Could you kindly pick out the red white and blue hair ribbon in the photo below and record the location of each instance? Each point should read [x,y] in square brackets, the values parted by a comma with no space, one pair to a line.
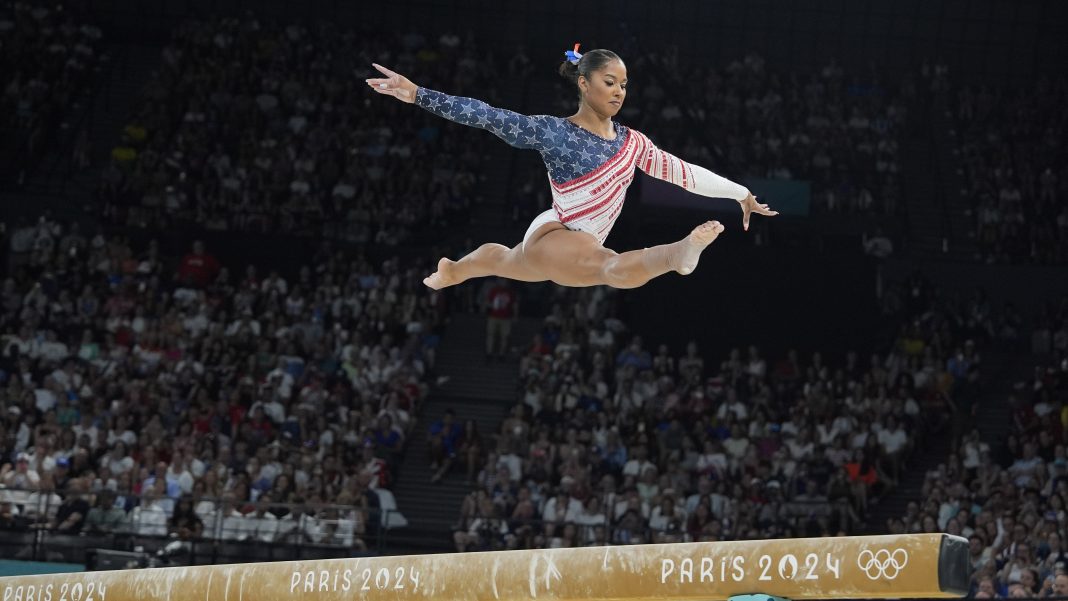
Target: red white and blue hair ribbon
[573,56]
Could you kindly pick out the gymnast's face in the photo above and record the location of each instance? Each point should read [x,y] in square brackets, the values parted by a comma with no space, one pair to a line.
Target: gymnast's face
[605,89]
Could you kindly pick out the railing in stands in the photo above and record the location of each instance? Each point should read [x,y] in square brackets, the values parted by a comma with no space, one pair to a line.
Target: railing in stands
[40,526]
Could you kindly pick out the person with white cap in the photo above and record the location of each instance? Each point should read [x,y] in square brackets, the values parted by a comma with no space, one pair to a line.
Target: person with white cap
[21,478]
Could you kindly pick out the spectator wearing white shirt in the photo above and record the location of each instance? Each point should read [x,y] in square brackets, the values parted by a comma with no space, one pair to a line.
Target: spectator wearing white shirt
[273,409]
[638,463]
[300,525]
[87,427]
[340,529]
[279,381]
[736,445]
[118,460]
[230,524]
[483,530]
[121,432]
[894,441]
[245,326]
[1025,470]
[756,365]
[52,349]
[262,524]
[561,509]
[42,457]
[42,503]
[47,395]
[199,323]
[179,473]
[589,518]
[21,477]
[151,517]
[733,406]
[801,446]
[713,460]
[972,450]
[601,338]
[667,521]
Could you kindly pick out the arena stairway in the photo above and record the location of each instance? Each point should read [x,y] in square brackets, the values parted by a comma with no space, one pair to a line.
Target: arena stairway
[474,389]
[462,359]
[993,419]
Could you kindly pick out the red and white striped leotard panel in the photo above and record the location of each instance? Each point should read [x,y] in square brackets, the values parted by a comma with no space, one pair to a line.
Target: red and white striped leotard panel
[591,203]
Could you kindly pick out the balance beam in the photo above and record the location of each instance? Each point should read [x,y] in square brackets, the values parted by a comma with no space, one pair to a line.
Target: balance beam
[904,566]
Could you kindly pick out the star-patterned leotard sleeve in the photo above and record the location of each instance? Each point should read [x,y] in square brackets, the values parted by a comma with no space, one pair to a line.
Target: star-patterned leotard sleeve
[568,150]
[538,132]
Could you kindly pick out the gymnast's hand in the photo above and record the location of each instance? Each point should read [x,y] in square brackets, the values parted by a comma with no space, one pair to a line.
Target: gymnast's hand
[393,84]
[750,206]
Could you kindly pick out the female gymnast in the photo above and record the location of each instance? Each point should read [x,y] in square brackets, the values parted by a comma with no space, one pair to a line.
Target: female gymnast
[591,161]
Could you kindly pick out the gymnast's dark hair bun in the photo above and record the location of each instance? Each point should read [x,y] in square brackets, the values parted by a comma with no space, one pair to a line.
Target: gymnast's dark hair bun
[590,62]
[569,71]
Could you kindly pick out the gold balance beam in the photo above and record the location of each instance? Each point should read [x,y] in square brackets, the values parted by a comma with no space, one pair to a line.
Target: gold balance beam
[916,565]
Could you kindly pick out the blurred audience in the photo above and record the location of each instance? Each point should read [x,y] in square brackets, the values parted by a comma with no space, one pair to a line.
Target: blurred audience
[254,127]
[202,403]
[49,60]
[1009,499]
[614,442]
[1010,143]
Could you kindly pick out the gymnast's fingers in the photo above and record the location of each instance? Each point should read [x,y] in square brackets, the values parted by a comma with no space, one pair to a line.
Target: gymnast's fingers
[384,70]
[385,91]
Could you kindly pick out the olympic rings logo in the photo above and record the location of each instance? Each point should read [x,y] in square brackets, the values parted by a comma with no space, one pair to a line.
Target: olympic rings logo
[882,563]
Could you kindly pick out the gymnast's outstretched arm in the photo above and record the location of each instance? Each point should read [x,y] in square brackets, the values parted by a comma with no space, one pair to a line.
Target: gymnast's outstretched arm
[666,166]
[521,131]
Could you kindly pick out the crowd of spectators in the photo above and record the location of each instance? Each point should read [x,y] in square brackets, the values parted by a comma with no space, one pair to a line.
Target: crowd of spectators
[156,394]
[612,442]
[838,130]
[1009,499]
[164,395]
[49,59]
[1010,142]
[255,127]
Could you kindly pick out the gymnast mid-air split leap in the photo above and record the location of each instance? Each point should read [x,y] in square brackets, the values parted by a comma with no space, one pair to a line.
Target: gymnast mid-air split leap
[591,161]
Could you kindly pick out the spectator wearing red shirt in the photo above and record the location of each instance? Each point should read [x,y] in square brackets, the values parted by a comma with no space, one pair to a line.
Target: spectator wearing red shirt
[864,476]
[198,268]
[502,306]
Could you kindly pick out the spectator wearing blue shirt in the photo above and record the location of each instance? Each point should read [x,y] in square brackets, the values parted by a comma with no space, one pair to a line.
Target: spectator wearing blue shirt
[634,355]
[443,436]
[387,438]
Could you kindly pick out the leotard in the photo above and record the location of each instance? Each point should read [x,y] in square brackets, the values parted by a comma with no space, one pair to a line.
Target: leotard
[589,175]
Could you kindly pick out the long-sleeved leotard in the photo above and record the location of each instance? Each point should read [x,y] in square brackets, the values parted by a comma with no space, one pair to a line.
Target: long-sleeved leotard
[589,175]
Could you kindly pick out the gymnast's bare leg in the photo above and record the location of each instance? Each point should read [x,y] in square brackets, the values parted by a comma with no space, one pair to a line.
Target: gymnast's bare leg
[572,258]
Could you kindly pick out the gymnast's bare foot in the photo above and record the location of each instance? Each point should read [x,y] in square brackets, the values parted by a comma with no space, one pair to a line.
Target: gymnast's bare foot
[444,277]
[692,245]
